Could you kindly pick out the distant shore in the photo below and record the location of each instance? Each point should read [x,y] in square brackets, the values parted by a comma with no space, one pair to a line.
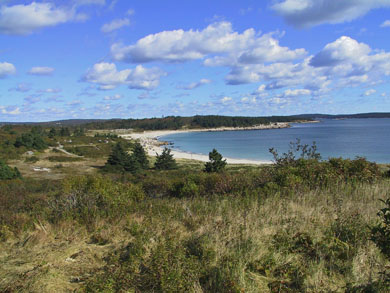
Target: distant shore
[149,140]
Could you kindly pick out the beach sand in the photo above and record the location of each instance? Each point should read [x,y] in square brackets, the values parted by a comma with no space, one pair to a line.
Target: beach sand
[149,140]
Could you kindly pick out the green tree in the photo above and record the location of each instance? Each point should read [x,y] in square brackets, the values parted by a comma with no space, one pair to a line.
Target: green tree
[6,172]
[64,131]
[120,161]
[31,140]
[165,161]
[139,155]
[216,163]
[52,132]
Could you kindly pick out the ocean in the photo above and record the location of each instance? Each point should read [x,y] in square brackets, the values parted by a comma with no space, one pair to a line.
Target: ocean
[348,138]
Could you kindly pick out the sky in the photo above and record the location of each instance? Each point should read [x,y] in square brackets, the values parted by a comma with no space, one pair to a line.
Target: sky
[101,59]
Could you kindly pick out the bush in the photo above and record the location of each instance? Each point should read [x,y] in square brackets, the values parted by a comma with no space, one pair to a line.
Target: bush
[380,233]
[216,163]
[165,161]
[32,159]
[6,172]
[64,159]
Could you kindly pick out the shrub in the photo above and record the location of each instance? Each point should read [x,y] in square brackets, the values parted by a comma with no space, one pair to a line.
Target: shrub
[64,159]
[32,159]
[380,233]
[6,172]
[216,163]
[165,161]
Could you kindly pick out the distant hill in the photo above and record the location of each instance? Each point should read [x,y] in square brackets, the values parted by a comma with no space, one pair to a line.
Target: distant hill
[343,116]
[193,122]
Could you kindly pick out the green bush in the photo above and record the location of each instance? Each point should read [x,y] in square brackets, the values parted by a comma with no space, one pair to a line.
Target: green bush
[216,163]
[6,172]
[165,161]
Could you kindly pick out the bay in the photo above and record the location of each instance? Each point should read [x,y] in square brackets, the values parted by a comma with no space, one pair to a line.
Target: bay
[369,138]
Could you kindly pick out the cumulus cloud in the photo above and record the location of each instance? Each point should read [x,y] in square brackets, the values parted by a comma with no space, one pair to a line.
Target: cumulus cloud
[343,49]
[369,92]
[194,85]
[25,19]
[6,69]
[226,100]
[10,110]
[347,58]
[115,25]
[307,13]
[41,71]
[386,23]
[108,77]
[218,38]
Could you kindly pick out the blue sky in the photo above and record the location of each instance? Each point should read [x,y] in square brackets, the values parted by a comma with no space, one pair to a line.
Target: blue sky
[152,58]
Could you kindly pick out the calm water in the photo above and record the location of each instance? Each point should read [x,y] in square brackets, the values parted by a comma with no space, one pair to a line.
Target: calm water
[335,138]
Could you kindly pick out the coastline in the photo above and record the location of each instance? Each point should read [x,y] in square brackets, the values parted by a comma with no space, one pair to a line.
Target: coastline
[149,140]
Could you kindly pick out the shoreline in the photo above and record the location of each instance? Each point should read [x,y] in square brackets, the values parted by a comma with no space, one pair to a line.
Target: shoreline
[150,141]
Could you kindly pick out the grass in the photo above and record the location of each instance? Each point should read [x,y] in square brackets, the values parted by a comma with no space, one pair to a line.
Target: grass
[312,240]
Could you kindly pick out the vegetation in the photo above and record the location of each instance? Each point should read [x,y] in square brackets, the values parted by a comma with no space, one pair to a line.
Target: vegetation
[121,161]
[216,163]
[300,225]
[6,172]
[176,122]
[165,161]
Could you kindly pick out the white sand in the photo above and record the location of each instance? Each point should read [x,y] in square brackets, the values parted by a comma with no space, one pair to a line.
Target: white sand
[149,140]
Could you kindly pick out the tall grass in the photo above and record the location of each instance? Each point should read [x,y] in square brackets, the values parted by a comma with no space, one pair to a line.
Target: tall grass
[267,230]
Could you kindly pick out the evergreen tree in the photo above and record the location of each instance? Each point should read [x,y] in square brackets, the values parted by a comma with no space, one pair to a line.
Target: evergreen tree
[120,161]
[6,172]
[165,161]
[139,155]
[64,131]
[52,132]
[216,163]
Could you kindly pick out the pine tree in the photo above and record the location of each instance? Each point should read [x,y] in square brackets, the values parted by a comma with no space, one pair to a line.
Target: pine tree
[139,155]
[165,161]
[120,161]
[216,163]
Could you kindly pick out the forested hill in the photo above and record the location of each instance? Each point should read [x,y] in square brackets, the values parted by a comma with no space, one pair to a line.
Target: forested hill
[344,116]
[177,122]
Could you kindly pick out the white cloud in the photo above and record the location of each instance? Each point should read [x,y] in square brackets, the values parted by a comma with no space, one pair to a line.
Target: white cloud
[6,69]
[307,13]
[50,91]
[115,25]
[296,92]
[341,50]
[113,98]
[10,110]
[386,23]
[41,71]
[217,38]
[108,77]
[369,92]
[25,19]
[226,100]
[194,85]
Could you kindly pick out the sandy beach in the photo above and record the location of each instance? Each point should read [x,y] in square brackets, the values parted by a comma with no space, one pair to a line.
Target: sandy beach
[149,140]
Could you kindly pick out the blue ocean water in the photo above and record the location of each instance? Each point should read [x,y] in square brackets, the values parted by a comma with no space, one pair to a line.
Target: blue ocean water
[369,138]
